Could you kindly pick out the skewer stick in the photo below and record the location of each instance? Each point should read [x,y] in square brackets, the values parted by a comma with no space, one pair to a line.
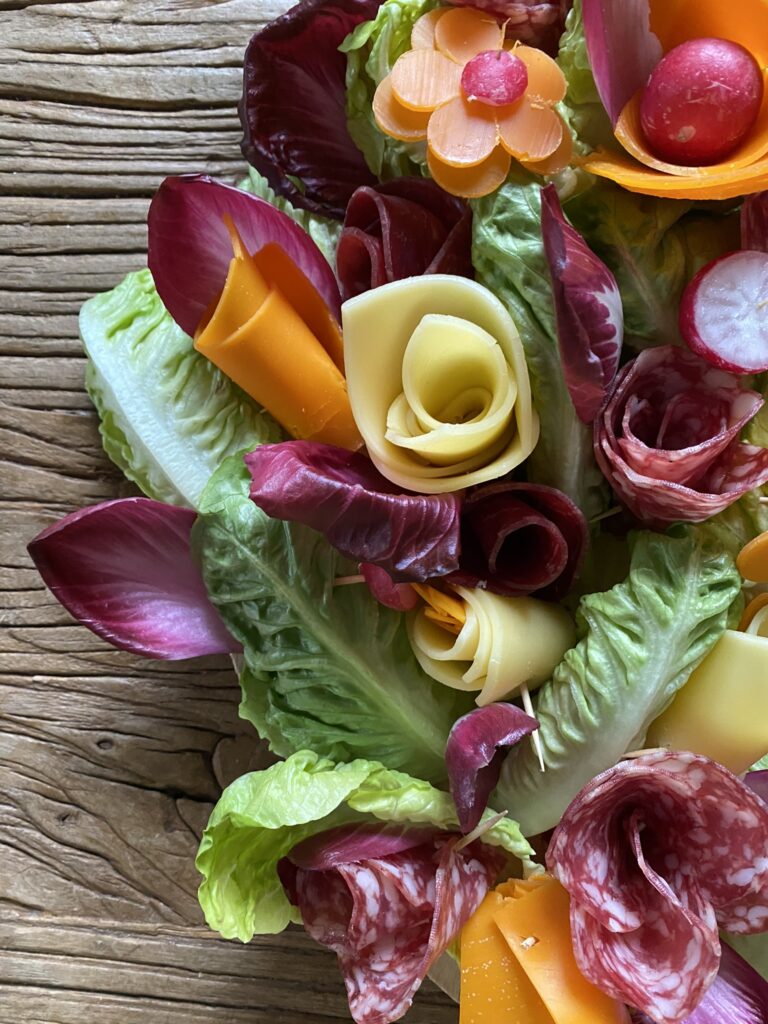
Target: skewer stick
[525,693]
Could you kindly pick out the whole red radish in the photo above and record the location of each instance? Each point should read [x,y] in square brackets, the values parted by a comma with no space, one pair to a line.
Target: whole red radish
[701,101]
[724,312]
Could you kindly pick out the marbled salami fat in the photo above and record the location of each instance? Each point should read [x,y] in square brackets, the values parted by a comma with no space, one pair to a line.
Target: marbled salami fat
[657,853]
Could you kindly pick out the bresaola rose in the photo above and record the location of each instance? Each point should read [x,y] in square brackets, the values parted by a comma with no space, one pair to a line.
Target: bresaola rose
[667,439]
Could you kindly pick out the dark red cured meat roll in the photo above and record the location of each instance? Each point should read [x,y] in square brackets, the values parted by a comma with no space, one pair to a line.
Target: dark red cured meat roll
[403,228]
[657,853]
[388,918]
[667,439]
[519,538]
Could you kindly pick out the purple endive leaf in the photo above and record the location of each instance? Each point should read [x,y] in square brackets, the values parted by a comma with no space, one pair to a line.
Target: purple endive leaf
[758,783]
[364,516]
[474,754]
[754,222]
[401,597]
[622,49]
[590,317]
[350,844]
[189,247]
[293,107]
[125,570]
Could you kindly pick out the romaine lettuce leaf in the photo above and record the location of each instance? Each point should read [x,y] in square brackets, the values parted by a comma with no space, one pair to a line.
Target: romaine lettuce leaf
[509,258]
[168,415]
[261,816]
[639,643]
[329,668]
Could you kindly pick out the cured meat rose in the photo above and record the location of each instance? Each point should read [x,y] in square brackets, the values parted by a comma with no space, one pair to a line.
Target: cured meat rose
[389,909]
[668,438]
[535,22]
[402,228]
[657,853]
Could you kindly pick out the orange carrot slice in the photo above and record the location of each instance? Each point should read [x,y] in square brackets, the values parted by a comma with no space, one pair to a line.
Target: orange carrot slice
[471,182]
[462,134]
[423,79]
[546,82]
[752,560]
[530,132]
[743,21]
[463,32]
[751,610]
[423,31]
[558,161]
[396,120]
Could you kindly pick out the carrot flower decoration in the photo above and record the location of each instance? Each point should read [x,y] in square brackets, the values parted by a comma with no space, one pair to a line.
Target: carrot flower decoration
[476,100]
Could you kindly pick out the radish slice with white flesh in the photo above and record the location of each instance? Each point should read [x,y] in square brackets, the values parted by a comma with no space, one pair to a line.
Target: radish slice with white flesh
[724,313]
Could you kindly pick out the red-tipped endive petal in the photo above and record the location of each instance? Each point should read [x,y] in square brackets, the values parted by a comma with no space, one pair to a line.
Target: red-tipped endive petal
[125,570]
[349,844]
[190,248]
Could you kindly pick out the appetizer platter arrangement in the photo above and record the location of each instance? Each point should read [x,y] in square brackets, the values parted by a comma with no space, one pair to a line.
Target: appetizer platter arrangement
[450,425]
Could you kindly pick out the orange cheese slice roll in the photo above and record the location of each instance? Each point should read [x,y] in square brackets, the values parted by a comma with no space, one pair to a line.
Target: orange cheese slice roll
[423,79]
[462,134]
[396,120]
[752,560]
[463,32]
[472,182]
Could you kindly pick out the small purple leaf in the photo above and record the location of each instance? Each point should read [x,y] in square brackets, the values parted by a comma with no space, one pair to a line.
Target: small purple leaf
[590,318]
[350,844]
[475,753]
[124,569]
[758,783]
[399,596]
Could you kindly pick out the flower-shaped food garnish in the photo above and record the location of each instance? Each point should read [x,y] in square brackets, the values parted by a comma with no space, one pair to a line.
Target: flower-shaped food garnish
[438,383]
[476,100]
[621,78]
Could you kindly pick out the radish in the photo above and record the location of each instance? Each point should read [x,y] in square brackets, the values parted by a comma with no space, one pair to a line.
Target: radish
[724,312]
[701,101]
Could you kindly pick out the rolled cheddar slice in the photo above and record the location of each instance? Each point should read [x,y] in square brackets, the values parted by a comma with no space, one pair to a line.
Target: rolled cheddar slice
[272,334]
[438,383]
[722,711]
[504,644]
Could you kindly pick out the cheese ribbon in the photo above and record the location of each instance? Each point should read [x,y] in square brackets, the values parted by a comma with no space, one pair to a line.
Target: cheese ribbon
[518,965]
[722,711]
[438,383]
[504,644]
[272,334]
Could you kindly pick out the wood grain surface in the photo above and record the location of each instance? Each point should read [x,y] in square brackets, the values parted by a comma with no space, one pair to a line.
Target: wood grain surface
[109,765]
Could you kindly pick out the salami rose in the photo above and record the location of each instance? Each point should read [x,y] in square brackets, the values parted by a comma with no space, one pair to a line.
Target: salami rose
[667,439]
[388,906]
[657,853]
[402,228]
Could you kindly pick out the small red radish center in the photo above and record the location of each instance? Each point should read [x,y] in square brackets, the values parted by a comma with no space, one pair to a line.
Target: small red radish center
[701,101]
[494,77]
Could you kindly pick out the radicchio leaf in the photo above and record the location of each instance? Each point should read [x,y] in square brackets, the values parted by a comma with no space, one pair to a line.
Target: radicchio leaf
[590,317]
[399,596]
[293,108]
[520,538]
[754,222]
[189,248]
[622,49]
[474,754]
[402,228]
[758,783]
[349,844]
[364,516]
[124,569]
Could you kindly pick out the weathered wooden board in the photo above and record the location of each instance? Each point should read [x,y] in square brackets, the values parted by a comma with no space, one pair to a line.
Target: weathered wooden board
[109,765]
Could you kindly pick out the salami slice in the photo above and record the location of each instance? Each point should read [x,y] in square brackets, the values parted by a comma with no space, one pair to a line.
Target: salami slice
[657,853]
[668,438]
[389,918]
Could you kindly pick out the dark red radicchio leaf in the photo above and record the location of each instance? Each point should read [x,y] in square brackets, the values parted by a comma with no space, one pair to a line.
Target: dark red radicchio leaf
[534,22]
[520,538]
[667,439]
[402,228]
[754,222]
[293,107]
[401,597]
[189,248]
[622,49]
[365,517]
[389,917]
[758,783]
[125,570]
[477,745]
[590,316]
[656,853]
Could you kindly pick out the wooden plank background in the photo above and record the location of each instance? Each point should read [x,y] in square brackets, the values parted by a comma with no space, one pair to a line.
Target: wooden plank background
[109,765]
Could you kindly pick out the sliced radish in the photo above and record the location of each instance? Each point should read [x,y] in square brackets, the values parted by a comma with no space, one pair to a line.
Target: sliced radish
[724,312]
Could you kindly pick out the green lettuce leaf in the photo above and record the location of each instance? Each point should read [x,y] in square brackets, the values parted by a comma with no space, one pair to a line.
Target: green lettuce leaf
[582,108]
[639,643]
[262,816]
[761,765]
[371,50]
[168,415]
[509,259]
[328,668]
[323,231]
[754,949]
